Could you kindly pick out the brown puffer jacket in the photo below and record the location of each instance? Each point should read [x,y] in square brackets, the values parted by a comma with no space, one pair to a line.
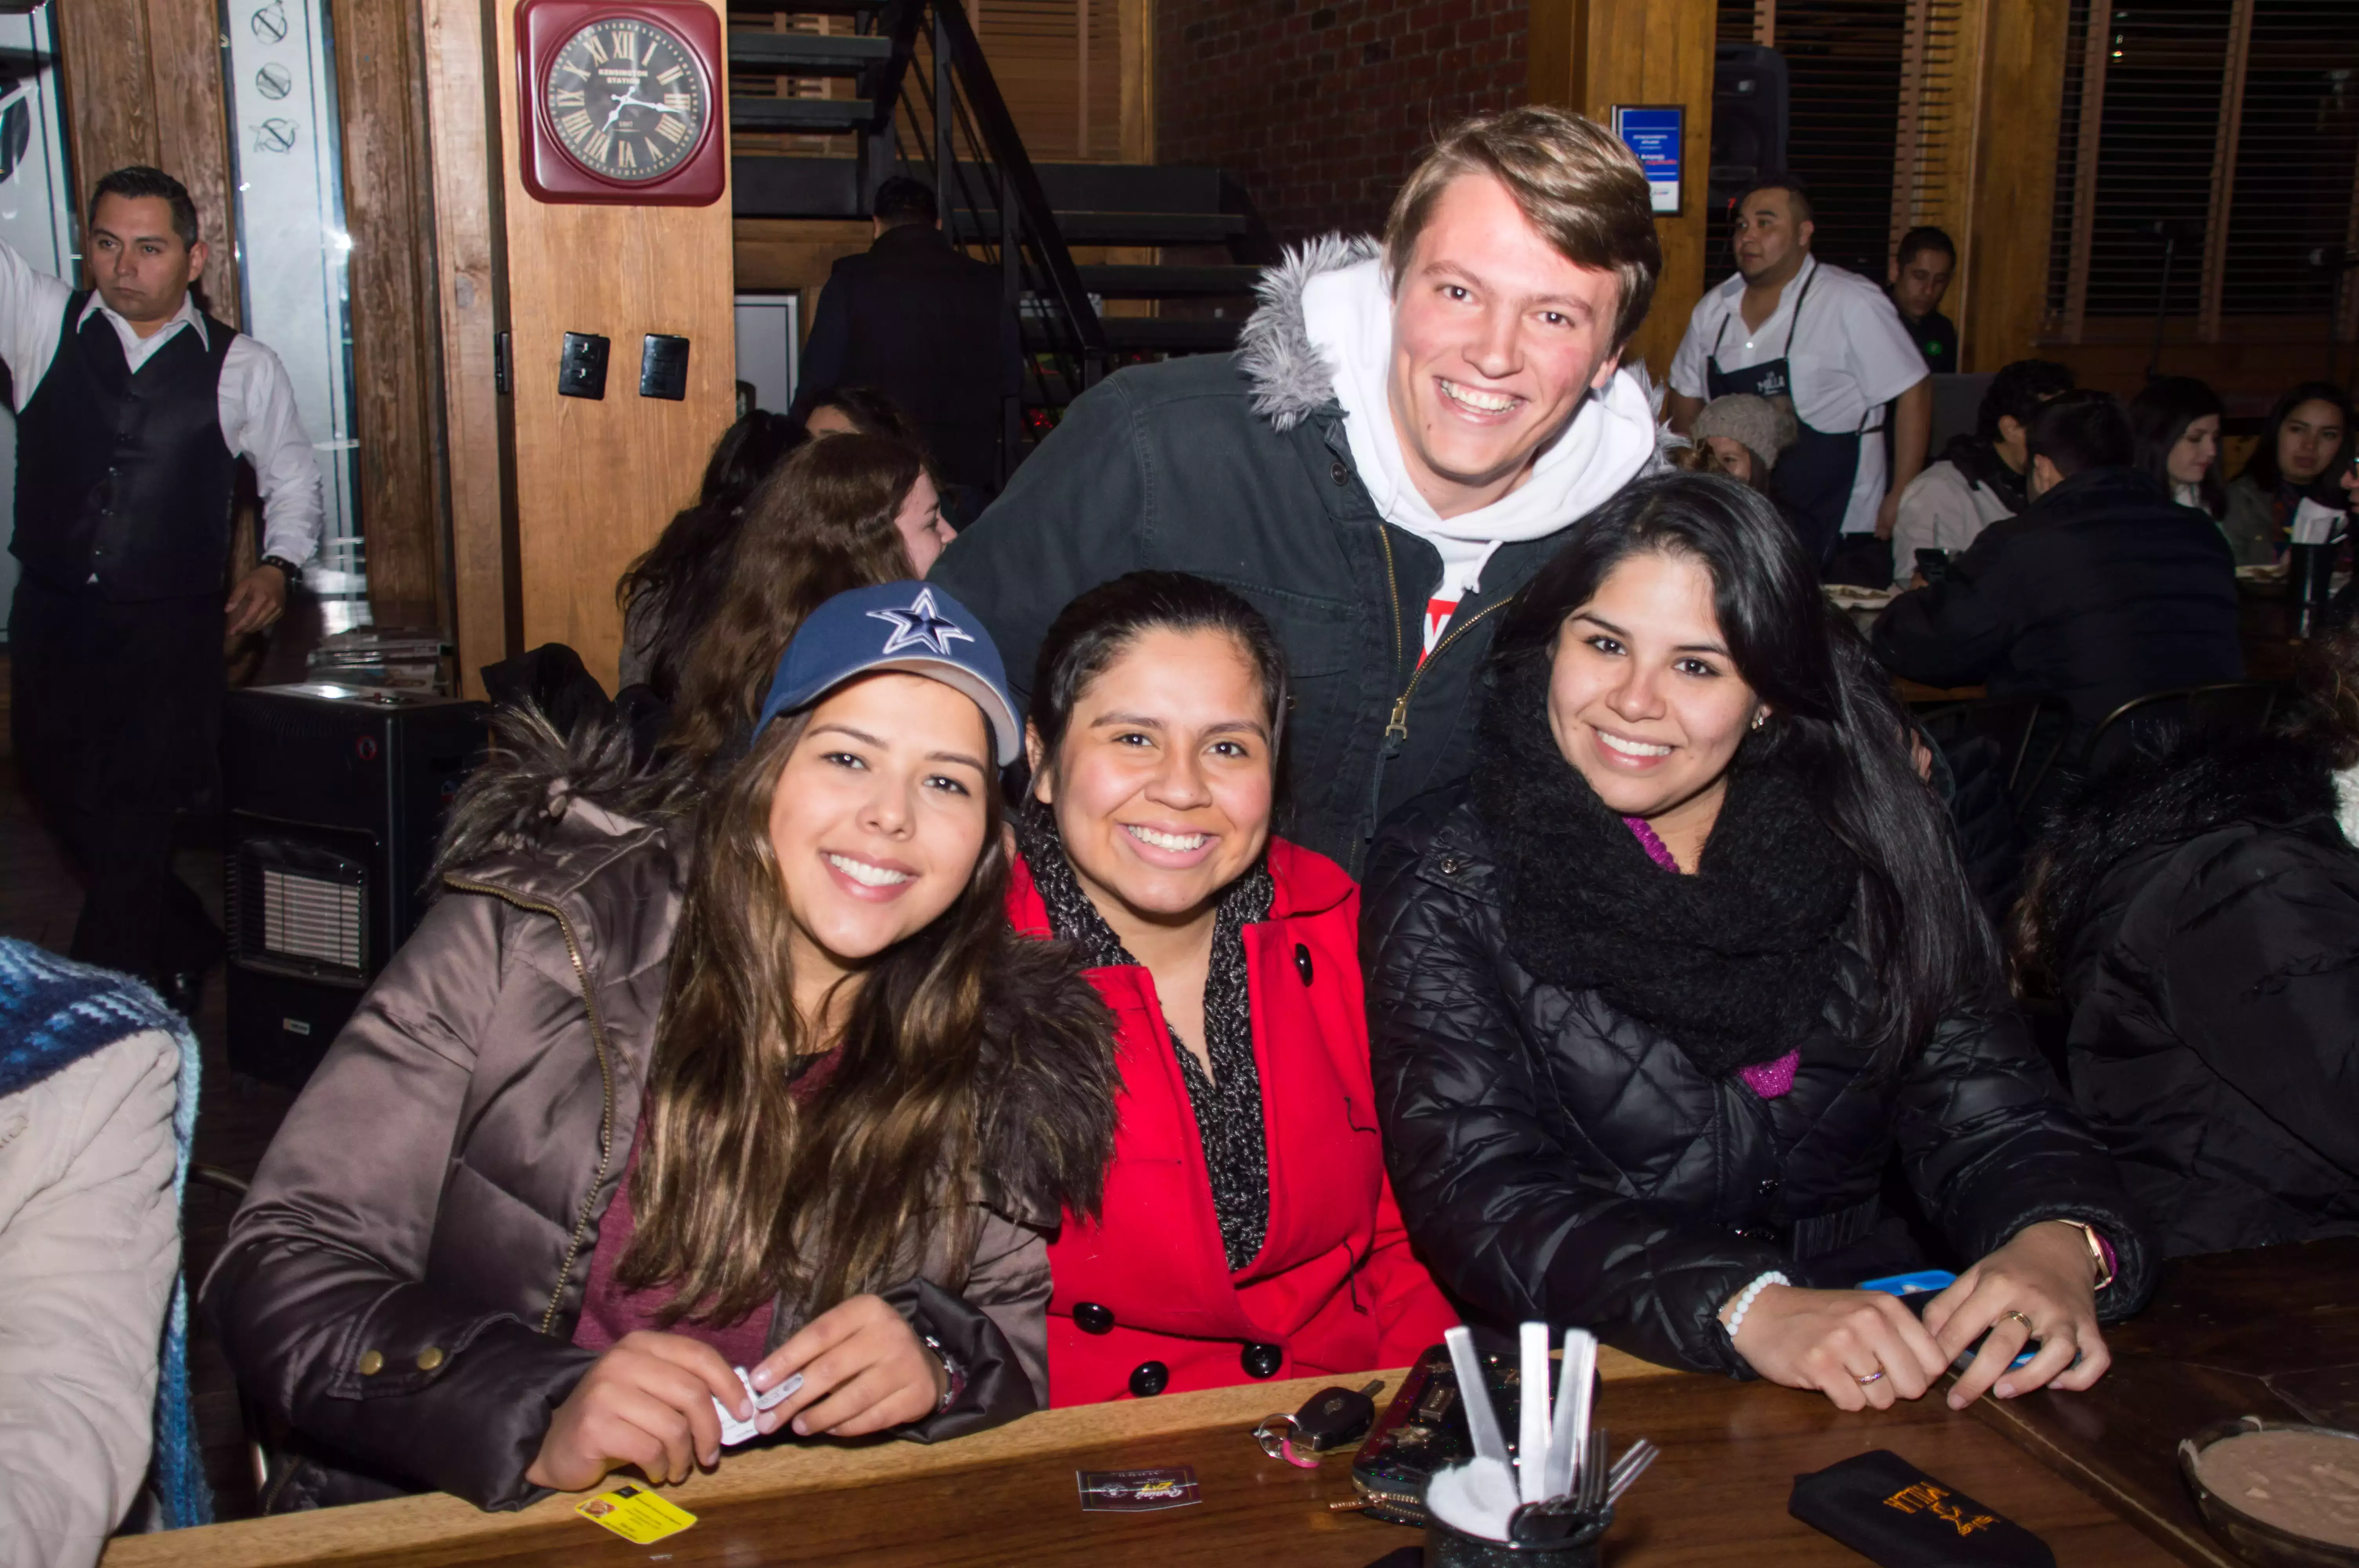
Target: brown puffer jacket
[401,1285]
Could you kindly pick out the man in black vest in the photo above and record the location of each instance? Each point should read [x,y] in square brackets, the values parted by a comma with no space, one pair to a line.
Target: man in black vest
[133,407]
[928,325]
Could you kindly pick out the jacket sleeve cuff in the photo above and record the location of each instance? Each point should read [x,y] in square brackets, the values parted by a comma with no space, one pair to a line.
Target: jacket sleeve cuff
[461,1404]
[997,1389]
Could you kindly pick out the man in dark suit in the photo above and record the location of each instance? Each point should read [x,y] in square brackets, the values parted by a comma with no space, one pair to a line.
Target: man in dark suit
[926,325]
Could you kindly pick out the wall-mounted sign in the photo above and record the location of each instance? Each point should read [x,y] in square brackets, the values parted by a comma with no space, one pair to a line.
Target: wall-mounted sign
[1652,131]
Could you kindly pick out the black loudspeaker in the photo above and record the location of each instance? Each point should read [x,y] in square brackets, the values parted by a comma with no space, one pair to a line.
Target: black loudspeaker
[335,795]
[1749,119]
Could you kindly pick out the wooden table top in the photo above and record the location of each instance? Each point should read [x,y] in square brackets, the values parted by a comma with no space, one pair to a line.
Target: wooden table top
[2272,1333]
[1717,1496]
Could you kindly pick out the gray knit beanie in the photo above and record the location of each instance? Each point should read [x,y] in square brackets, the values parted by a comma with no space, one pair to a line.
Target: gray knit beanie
[1764,425]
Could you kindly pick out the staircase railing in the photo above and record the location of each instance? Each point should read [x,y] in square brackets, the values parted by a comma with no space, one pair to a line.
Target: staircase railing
[978,152]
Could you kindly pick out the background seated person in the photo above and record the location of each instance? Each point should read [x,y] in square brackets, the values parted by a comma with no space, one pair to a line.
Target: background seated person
[2198,914]
[1647,1034]
[1742,436]
[667,595]
[1978,479]
[860,411]
[838,515]
[619,1118]
[1249,1232]
[2305,443]
[2175,437]
[90,1258]
[2103,591]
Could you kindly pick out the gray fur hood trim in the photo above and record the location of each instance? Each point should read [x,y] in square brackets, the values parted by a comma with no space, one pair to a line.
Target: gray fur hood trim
[1290,379]
[535,779]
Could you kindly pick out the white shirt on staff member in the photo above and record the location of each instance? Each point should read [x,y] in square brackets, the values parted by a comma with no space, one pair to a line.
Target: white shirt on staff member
[1849,357]
[255,400]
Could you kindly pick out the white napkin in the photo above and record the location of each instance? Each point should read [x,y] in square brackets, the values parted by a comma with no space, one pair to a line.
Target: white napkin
[1475,1498]
[2315,524]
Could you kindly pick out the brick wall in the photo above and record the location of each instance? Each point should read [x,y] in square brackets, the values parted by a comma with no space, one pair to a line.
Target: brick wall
[1320,106]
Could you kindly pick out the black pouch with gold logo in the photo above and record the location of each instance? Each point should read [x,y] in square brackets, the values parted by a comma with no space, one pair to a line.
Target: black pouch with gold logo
[1886,1510]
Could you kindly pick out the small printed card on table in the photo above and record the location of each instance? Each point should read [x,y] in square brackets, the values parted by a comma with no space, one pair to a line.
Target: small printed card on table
[635,1514]
[1138,1491]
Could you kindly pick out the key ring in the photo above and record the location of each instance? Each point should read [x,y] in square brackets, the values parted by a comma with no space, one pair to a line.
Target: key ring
[1280,1447]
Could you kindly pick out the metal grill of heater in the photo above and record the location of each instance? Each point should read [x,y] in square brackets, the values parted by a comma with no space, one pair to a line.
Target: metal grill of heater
[300,909]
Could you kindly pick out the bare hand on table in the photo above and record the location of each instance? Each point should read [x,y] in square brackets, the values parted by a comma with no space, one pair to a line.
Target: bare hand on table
[1828,1340]
[649,1402]
[864,1371]
[2046,1274]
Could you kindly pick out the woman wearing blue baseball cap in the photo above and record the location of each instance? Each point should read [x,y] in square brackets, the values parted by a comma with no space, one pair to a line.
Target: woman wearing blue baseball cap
[665,1090]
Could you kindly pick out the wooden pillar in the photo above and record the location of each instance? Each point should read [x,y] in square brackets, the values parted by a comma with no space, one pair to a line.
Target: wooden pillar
[2010,106]
[1589,55]
[143,85]
[388,212]
[462,117]
[595,480]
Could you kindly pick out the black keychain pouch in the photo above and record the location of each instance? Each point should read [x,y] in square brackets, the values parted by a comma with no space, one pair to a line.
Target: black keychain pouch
[1886,1510]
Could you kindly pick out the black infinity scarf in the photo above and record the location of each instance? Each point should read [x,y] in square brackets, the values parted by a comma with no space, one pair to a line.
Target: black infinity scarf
[1227,1100]
[1735,963]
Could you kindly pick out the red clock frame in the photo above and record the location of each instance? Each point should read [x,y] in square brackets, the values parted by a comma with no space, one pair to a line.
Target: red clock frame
[542,28]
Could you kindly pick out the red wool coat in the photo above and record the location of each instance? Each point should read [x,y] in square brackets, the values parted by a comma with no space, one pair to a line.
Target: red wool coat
[1143,1300]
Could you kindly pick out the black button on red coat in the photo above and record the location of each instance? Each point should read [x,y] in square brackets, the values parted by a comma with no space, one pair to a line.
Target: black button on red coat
[1092,1318]
[1149,1379]
[1262,1360]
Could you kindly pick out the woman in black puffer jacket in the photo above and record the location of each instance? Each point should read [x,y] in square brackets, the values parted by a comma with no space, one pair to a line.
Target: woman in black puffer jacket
[2199,914]
[1657,997]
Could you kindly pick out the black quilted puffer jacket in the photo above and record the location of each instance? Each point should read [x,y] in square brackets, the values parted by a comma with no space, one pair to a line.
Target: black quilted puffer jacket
[1557,1159]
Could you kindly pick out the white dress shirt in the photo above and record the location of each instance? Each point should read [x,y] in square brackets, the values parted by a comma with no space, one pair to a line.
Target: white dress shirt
[256,401]
[1849,357]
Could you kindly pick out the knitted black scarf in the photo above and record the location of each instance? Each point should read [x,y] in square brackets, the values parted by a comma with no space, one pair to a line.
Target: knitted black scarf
[1733,963]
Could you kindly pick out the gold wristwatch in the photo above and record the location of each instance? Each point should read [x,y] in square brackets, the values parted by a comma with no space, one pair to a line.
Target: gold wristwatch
[2097,1259]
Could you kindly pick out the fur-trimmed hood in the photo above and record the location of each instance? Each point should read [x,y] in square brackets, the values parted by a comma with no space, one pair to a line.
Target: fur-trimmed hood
[2154,801]
[1291,380]
[534,778]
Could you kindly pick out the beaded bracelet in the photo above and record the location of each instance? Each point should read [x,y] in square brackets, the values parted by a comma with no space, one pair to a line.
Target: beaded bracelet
[1745,1300]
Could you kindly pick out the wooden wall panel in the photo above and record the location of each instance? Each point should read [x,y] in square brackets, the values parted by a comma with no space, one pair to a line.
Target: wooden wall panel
[596,480]
[1593,54]
[143,85]
[462,117]
[2000,294]
[388,211]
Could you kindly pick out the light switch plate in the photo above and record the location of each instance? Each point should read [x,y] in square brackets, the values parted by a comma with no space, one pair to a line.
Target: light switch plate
[663,367]
[581,367]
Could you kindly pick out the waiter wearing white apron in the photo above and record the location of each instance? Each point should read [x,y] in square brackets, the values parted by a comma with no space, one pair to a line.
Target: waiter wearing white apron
[1788,326]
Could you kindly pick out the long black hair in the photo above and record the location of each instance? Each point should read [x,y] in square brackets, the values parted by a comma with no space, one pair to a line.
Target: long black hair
[1833,720]
[2160,416]
[678,580]
[1091,631]
[2262,466]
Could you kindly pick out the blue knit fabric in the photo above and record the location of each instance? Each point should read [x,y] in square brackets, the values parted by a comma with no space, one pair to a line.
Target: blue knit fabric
[54,1013]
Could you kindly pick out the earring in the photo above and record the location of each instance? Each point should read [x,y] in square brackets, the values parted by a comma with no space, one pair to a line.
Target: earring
[1759,720]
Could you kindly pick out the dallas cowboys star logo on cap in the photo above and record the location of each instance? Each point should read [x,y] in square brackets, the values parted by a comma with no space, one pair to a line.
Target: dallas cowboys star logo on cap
[921,626]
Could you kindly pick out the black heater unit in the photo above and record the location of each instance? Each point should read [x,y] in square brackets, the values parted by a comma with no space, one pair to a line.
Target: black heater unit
[335,794]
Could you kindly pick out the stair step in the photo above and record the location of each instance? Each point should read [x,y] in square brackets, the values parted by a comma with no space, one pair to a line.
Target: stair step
[1115,228]
[1167,282]
[809,54]
[1152,333]
[808,114]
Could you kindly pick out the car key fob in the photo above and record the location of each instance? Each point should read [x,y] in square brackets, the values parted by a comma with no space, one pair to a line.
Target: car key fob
[1335,1417]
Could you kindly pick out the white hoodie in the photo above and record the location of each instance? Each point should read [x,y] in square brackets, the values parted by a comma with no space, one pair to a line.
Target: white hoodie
[1348,315]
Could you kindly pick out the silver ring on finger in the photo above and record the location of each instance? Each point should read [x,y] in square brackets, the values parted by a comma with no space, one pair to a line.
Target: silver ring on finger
[1875,1377]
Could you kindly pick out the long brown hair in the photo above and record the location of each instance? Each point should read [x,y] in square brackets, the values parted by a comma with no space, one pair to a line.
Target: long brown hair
[820,526]
[742,1193]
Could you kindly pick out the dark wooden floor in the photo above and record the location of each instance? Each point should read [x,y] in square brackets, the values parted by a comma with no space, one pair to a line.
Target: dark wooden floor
[38,902]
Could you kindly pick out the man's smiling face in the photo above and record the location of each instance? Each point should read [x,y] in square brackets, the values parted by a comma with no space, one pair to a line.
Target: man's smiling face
[1496,338]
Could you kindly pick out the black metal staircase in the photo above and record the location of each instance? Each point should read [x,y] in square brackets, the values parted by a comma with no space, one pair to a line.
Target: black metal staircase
[925,102]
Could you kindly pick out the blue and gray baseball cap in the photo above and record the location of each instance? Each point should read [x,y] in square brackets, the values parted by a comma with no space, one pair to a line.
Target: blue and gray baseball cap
[908,626]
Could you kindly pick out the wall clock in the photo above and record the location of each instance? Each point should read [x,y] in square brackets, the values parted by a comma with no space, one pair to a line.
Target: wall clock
[623,102]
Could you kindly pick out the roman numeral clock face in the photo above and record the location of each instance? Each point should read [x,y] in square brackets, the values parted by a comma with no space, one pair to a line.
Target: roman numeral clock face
[626,98]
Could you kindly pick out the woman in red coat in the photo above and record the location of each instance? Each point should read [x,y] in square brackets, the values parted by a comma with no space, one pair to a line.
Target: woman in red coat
[1248,1231]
